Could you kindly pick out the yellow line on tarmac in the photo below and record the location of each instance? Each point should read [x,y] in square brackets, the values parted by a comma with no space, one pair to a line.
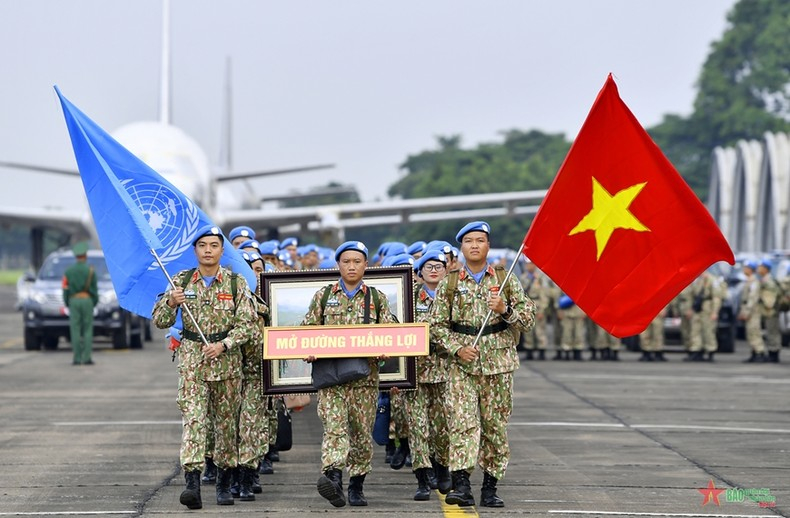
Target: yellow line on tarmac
[455,511]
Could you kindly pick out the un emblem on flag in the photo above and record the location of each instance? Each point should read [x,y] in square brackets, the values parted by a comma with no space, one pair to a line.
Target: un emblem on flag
[172,217]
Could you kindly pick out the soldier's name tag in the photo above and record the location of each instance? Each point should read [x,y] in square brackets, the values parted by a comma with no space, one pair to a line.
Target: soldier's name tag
[463,290]
[333,302]
[190,294]
[422,308]
[224,296]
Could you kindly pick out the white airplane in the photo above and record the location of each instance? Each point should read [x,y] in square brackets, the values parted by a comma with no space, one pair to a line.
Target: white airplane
[181,160]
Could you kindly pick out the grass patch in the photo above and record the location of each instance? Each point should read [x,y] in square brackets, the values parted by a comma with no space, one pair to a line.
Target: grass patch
[9,277]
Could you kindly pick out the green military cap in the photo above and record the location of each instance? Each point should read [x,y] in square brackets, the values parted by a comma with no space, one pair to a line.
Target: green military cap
[80,248]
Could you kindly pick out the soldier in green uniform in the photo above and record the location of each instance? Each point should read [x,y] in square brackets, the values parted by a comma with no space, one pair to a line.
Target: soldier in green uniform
[480,384]
[348,410]
[702,308]
[80,295]
[428,433]
[538,292]
[749,312]
[209,374]
[769,297]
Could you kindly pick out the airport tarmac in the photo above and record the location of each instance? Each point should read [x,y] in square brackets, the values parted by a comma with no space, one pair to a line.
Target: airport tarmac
[588,439]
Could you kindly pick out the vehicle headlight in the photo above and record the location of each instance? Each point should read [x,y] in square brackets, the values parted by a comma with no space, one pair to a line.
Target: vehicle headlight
[108,297]
[38,297]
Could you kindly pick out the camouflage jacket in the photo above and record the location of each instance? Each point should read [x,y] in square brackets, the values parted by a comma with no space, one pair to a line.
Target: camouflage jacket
[340,310]
[252,351]
[769,295]
[431,368]
[750,296]
[708,288]
[216,311]
[538,291]
[469,307]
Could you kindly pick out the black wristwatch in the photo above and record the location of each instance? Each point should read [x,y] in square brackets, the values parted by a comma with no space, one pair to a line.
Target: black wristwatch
[508,312]
[224,347]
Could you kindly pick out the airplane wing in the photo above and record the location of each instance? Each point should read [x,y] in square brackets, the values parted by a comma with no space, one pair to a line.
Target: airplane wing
[389,212]
[272,172]
[70,221]
[40,168]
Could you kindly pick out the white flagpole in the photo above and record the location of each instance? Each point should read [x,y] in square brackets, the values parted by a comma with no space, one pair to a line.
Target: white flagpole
[501,290]
[183,306]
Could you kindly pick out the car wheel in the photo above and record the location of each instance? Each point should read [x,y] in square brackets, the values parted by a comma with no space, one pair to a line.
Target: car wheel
[122,337]
[51,342]
[32,341]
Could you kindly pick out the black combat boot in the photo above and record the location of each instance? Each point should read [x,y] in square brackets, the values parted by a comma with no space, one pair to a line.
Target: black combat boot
[274,453]
[659,356]
[488,496]
[593,355]
[755,358]
[613,356]
[528,354]
[330,486]
[444,482]
[223,486]
[695,356]
[577,355]
[567,356]
[265,467]
[389,451]
[210,473]
[190,496]
[710,357]
[355,495]
[256,482]
[557,355]
[541,355]
[245,484]
[646,357]
[423,491]
[462,491]
[433,482]
[234,482]
[773,357]
[606,354]
[399,457]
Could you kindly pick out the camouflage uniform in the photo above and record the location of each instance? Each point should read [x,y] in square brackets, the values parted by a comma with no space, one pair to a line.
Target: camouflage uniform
[480,392]
[348,411]
[539,293]
[210,387]
[428,433]
[769,295]
[399,415]
[703,322]
[252,413]
[573,323]
[652,339]
[751,314]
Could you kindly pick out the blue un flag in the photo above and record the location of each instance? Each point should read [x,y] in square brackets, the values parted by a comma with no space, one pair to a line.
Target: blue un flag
[136,211]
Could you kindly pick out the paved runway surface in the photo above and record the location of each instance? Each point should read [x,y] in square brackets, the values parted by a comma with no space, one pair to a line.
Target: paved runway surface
[589,439]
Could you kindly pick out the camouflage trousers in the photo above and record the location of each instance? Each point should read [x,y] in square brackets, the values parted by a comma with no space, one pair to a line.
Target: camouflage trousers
[573,331]
[399,415]
[535,338]
[478,417]
[347,413]
[273,405]
[428,434]
[703,332]
[253,422]
[652,338]
[754,332]
[773,335]
[207,405]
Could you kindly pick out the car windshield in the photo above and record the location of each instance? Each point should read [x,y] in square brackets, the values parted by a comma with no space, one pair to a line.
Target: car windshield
[55,266]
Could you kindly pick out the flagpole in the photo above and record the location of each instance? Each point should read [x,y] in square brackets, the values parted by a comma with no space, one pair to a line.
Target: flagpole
[183,306]
[501,289]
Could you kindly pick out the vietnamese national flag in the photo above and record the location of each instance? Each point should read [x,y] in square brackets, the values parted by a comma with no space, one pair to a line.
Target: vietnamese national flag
[619,231]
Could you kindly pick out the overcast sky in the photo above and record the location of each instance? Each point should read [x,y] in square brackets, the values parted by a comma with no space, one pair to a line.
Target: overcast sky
[359,83]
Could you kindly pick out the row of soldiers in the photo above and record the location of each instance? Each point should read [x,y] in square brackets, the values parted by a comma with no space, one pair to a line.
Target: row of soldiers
[475,319]
[697,307]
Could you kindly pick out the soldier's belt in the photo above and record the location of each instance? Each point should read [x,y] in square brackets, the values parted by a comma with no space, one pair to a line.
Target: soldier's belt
[473,330]
[195,337]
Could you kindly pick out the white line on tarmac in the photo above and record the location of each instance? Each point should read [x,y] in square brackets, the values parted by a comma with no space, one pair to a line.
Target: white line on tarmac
[683,515]
[653,426]
[67,513]
[115,423]
[695,379]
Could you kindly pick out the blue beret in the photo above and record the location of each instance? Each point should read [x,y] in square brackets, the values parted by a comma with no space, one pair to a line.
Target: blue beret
[475,226]
[416,248]
[382,249]
[250,243]
[398,260]
[207,230]
[325,253]
[327,264]
[267,267]
[429,255]
[395,248]
[289,241]
[251,257]
[444,246]
[751,264]
[311,248]
[766,264]
[565,302]
[268,248]
[357,246]
[455,251]
[285,256]
[241,231]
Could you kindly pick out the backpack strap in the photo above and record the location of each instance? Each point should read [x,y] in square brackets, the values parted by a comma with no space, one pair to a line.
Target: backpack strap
[324,298]
[376,303]
[187,277]
[500,275]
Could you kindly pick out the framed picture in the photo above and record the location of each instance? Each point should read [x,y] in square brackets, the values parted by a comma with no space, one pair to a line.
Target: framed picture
[288,295]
